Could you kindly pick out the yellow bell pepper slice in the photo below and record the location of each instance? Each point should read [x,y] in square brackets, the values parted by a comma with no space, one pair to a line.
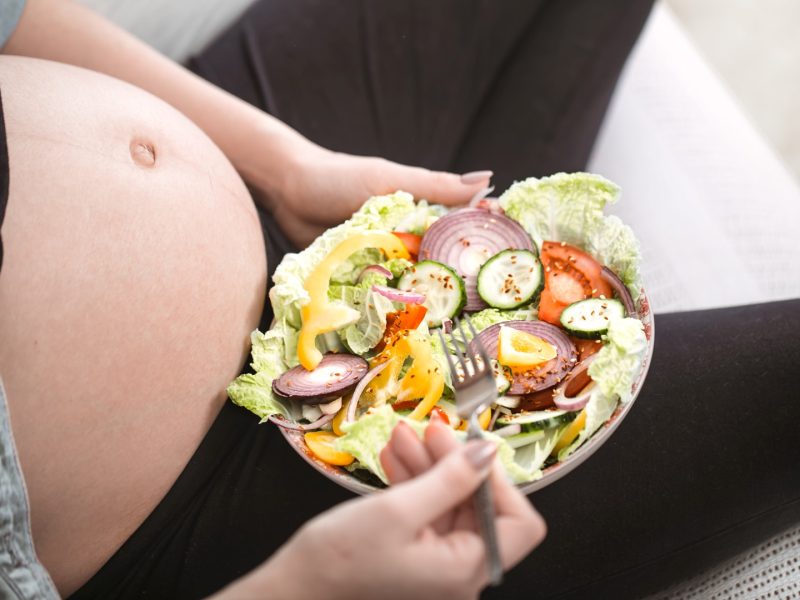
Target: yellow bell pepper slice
[319,314]
[336,424]
[520,349]
[571,433]
[423,379]
[321,443]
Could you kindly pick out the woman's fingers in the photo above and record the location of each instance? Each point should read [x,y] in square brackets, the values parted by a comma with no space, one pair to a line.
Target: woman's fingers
[423,500]
[437,186]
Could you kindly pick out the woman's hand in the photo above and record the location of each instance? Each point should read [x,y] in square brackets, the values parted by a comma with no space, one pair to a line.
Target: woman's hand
[406,457]
[392,544]
[315,188]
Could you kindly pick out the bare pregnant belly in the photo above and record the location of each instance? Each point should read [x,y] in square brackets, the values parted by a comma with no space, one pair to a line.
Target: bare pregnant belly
[134,271]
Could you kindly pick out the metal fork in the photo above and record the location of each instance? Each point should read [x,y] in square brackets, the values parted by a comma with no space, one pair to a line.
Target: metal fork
[476,390]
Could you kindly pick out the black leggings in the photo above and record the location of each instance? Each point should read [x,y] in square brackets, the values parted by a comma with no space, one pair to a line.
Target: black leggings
[706,463]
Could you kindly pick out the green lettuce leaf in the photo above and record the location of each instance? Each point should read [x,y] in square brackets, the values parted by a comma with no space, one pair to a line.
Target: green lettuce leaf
[254,392]
[614,370]
[568,207]
[418,221]
[525,464]
[619,360]
[365,333]
[288,295]
[365,439]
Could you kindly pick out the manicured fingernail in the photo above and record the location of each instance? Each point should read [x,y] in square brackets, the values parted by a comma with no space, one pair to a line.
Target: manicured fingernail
[476,177]
[480,454]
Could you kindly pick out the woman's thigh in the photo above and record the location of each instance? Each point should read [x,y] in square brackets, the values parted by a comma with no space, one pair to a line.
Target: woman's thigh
[516,86]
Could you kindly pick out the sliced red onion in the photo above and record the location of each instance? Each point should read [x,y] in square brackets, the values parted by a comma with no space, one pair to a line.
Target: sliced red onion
[576,389]
[508,430]
[376,269]
[508,401]
[622,290]
[396,295]
[480,195]
[331,408]
[447,325]
[575,402]
[362,385]
[286,424]
[465,239]
[334,376]
[544,376]
[495,414]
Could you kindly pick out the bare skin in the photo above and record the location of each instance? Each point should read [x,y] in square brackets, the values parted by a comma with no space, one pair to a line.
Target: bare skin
[134,271]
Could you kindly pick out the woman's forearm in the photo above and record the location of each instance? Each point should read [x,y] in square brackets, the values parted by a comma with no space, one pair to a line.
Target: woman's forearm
[63,31]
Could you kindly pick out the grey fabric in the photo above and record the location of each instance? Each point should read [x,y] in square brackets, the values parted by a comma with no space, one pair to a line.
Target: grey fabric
[10,12]
[21,574]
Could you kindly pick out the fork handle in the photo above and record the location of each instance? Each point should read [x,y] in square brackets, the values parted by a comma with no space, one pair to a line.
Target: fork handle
[484,510]
[483,503]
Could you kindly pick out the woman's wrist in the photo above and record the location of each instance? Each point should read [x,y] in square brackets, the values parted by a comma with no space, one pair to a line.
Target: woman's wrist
[271,155]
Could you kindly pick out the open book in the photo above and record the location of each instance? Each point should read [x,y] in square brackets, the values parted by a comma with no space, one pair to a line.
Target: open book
[716,212]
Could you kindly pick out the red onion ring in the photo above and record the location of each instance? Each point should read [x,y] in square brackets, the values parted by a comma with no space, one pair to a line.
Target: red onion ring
[548,374]
[494,418]
[378,270]
[622,290]
[399,295]
[464,239]
[480,195]
[286,424]
[334,376]
[576,390]
[362,385]
[447,325]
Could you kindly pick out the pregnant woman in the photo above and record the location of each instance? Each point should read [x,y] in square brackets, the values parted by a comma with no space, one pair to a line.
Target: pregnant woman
[135,268]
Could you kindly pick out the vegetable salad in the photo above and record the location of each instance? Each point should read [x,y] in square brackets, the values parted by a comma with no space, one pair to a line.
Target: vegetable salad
[550,284]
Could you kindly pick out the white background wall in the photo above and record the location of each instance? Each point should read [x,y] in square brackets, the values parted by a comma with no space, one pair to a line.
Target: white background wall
[755,48]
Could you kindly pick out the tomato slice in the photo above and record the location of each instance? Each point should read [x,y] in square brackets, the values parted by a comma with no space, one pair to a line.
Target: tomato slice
[570,275]
[585,347]
[405,405]
[411,241]
[402,320]
[441,414]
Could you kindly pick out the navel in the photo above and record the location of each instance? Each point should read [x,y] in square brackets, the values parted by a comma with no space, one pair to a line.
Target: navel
[143,153]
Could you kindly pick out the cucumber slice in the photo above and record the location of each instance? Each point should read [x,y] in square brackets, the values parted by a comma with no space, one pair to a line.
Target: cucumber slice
[525,438]
[537,420]
[590,318]
[500,377]
[444,290]
[510,279]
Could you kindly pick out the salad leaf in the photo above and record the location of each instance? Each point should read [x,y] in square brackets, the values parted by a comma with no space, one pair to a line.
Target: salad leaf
[366,437]
[288,293]
[348,271]
[490,316]
[418,220]
[614,370]
[619,360]
[568,207]
[365,333]
[254,392]
[526,463]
